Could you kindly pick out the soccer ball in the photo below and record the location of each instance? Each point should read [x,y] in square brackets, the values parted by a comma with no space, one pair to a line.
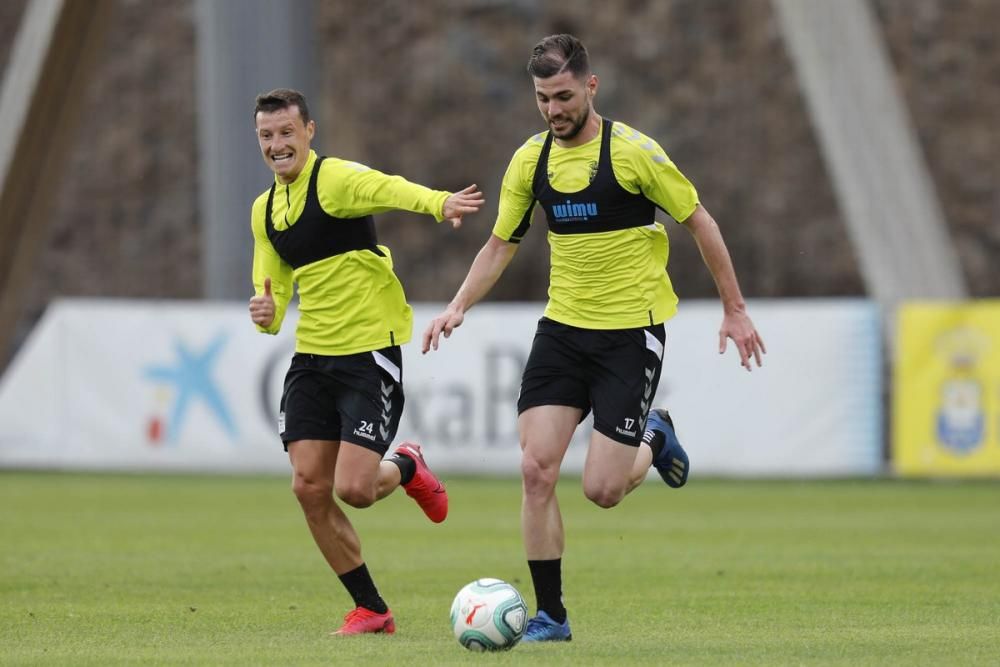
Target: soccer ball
[488,615]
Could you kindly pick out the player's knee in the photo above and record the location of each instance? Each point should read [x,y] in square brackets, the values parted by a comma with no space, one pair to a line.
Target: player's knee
[538,477]
[356,495]
[604,496]
[313,496]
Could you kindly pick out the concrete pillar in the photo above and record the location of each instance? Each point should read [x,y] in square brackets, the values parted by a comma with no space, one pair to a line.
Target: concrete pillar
[245,47]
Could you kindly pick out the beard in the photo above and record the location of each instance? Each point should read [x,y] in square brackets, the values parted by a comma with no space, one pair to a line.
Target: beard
[574,127]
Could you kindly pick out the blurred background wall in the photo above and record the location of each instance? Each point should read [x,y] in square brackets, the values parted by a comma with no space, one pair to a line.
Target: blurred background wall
[436,91]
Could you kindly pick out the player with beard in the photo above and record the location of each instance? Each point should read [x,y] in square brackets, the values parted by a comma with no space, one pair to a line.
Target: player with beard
[599,345]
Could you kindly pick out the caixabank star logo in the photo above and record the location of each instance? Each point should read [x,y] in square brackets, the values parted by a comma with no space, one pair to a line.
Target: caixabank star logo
[184,382]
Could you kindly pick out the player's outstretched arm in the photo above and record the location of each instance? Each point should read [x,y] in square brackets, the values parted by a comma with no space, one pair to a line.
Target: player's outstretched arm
[736,324]
[486,269]
[463,202]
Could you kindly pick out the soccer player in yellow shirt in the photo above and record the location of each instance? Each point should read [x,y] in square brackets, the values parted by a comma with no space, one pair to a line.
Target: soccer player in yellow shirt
[343,393]
[599,345]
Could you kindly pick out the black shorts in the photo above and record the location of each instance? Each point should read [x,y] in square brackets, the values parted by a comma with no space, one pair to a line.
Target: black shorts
[355,397]
[614,372]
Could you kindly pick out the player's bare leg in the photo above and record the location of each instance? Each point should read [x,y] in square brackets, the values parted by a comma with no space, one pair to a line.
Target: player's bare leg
[318,467]
[314,463]
[362,477]
[609,470]
[545,435]
[640,466]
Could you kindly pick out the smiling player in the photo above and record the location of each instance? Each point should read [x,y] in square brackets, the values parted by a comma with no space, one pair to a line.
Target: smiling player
[343,394]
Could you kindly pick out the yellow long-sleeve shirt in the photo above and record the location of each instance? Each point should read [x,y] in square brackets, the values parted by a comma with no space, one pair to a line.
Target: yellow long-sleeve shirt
[348,302]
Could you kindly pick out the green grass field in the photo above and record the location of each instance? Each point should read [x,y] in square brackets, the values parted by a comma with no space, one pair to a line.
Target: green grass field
[106,569]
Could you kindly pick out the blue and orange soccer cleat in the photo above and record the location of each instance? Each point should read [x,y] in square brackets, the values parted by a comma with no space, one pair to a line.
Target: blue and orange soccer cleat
[425,487]
[542,628]
[672,463]
[361,621]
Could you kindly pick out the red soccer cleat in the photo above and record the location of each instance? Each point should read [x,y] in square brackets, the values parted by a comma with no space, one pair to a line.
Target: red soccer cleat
[360,621]
[425,487]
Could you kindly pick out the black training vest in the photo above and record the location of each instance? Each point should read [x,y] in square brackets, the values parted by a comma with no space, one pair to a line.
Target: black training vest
[602,206]
[316,234]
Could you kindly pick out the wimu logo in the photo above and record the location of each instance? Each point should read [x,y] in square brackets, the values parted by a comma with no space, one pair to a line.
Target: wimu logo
[571,212]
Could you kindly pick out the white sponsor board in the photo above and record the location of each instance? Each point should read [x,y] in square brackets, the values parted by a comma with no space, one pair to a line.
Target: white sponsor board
[162,385]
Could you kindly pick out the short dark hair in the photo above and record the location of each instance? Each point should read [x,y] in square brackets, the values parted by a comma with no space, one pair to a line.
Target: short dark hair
[282,98]
[557,53]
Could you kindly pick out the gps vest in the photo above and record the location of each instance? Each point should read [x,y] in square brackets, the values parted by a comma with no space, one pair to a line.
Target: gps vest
[316,234]
[602,206]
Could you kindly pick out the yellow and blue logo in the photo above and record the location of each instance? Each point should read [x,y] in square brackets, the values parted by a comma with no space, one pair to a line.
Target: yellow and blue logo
[574,211]
[946,400]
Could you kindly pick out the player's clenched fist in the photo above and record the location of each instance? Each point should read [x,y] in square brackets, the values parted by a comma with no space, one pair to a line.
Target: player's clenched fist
[262,306]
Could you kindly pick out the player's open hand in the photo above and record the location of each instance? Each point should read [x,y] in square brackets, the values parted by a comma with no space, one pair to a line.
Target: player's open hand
[449,320]
[262,306]
[739,327]
[460,203]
